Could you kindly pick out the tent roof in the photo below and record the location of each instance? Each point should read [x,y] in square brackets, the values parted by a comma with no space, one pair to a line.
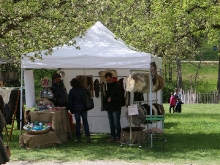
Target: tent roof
[99,48]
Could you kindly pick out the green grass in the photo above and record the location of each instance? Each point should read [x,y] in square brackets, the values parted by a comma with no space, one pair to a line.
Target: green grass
[207,77]
[192,138]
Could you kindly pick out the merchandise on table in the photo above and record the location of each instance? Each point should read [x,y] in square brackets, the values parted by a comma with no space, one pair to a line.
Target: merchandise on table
[37,127]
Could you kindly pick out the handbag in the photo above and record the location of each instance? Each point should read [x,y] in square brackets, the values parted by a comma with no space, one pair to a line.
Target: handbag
[89,104]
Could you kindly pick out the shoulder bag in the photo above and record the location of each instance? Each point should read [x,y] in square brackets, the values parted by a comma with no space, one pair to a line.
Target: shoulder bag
[88,101]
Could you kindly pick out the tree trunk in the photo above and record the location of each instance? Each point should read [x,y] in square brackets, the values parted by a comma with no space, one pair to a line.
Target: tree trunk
[218,84]
[179,83]
[170,73]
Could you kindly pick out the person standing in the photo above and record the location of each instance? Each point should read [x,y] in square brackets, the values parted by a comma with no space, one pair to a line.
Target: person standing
[172,102]
[60,97]
[3,153]
[179,102]
[112,104]
[78,108]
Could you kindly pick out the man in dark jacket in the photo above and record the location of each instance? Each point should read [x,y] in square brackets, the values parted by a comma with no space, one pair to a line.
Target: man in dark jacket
[59,91]
[112,104]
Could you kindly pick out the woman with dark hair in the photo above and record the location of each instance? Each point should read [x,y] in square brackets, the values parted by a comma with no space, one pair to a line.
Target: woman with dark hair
[60,97]
[78,108]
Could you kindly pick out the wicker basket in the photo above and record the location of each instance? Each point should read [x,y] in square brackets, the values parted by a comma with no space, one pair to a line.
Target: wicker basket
[35,131]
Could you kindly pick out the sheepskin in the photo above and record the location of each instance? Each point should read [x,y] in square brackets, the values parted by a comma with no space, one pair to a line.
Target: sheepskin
[160,109]
[146,88]
[137,119]
[130,83]
[159,83]
[102,74]
[139,82]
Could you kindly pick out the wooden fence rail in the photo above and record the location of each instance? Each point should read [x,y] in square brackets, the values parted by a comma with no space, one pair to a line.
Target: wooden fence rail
[192,97]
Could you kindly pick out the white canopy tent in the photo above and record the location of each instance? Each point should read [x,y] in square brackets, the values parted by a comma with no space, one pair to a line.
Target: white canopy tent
[99,49]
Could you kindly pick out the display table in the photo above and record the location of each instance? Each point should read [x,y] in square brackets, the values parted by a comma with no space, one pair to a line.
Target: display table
[59,132]
[39,141]
[58,119]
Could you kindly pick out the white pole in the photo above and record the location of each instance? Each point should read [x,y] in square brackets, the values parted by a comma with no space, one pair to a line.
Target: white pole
[150,94]
[151,136]
[21,99]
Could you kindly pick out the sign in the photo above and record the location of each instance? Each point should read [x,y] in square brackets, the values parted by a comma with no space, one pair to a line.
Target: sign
[133,110]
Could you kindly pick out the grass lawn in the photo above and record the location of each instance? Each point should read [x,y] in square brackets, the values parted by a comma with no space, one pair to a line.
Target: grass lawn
[192,138]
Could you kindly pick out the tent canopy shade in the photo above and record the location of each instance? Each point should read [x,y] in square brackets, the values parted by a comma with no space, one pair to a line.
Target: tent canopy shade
[98,48]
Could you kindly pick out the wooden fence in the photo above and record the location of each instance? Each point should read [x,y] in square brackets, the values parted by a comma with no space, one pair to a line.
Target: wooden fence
[192,97]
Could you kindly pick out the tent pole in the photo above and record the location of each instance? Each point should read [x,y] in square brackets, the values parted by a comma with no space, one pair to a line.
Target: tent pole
[151,136]
[21,99]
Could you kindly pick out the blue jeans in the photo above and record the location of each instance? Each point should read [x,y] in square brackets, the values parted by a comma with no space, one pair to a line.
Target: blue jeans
[114,122]
[82,114]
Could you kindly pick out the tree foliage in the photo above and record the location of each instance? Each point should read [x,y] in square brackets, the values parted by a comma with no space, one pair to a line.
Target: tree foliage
[161,27]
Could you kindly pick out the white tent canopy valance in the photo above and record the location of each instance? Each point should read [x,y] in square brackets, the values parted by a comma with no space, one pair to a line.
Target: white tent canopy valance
[99,48]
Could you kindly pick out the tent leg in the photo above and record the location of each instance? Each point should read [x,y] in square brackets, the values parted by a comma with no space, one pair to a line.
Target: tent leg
[21,100]
[151,137]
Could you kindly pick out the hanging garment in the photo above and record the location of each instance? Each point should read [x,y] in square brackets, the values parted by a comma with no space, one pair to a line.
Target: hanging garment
[122,92]
[11,106]
[6,94]
[138,96]
[1,104]
[102,74]
[102,89]
[127,98]
[96,87]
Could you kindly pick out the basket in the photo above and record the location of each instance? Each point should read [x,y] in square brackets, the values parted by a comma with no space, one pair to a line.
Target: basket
[36,131]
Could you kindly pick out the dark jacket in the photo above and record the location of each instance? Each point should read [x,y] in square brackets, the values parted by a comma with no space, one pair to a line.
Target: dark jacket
[60,94]
[113,91]
[3,154]
[76,100]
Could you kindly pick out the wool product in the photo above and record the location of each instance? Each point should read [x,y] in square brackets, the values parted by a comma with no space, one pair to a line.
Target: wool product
[146,88]
[130,83]
[160,109]
[159,83]
[139,82]
[137,119]
[96,88]
[154,130]
[102,74]
[154,110]
[5,94]
[122,91]
[127,99]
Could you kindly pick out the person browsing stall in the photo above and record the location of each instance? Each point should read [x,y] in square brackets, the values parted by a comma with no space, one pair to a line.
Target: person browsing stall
[112,104]
[59,91]
[78,108]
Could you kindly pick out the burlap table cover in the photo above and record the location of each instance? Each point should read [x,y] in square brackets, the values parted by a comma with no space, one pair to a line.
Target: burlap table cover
[58,119]
[39,140]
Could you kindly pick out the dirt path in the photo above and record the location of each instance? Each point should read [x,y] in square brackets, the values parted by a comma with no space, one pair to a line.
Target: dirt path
[100,162]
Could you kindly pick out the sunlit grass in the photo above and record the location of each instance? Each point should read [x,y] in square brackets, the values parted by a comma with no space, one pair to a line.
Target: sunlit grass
[192,138]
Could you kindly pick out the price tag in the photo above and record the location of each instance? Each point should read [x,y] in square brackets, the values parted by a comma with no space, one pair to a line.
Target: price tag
[133,110]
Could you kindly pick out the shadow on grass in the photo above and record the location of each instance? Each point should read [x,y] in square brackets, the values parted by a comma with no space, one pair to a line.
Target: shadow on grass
[169,125]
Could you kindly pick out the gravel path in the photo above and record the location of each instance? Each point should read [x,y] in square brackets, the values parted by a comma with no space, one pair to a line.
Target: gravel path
[100,162]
